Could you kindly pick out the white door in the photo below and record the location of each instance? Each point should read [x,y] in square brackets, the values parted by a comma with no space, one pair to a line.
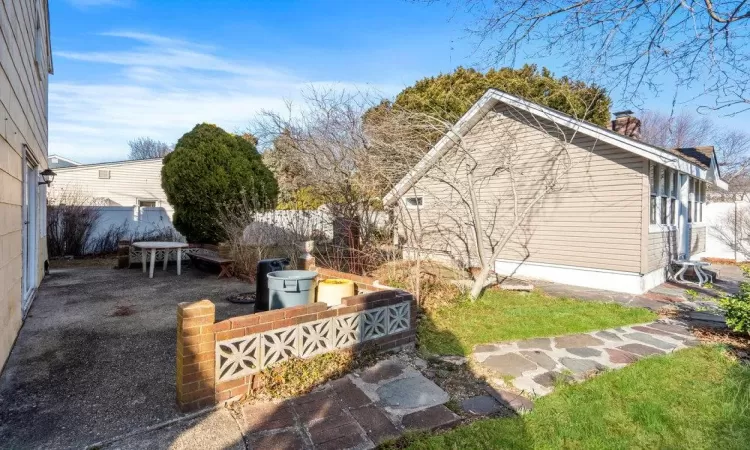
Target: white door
[30,234]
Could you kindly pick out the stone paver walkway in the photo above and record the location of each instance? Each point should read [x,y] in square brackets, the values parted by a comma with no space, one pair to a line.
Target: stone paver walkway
[356,412]
[534,366]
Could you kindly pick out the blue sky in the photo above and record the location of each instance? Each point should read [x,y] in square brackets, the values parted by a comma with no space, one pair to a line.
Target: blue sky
[130,68]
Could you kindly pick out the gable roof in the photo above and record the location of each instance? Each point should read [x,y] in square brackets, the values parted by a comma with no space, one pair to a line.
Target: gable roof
[61,161]
[110,163]
[693,161]
[701,156]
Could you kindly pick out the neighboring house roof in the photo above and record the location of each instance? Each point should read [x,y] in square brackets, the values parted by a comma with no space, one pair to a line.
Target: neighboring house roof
[699,161]
[57,161]
[111,163]
[701,156]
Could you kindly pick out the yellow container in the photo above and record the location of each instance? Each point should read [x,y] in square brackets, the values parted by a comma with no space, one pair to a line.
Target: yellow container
[332,290]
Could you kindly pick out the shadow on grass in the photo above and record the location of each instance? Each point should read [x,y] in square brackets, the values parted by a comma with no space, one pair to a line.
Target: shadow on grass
[694,398]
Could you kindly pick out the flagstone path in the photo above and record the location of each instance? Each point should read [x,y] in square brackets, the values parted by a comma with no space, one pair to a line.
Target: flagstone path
[357,411]
[534,366]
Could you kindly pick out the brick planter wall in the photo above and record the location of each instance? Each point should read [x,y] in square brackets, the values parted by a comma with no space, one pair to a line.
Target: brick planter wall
[217,361]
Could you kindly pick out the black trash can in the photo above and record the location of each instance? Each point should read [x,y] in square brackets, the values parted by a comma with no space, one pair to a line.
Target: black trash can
[266,266]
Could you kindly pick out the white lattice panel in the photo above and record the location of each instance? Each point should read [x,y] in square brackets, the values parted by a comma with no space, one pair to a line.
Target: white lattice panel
[399,317]
[243,356]
[278,345]
[374,323]
[315,338]
[236,358]
[346,331]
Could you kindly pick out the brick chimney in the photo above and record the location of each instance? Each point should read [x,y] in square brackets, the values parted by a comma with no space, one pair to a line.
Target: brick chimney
[626,124]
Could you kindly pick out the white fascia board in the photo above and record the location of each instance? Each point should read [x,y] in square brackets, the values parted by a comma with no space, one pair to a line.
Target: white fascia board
[106,164]
[492,97]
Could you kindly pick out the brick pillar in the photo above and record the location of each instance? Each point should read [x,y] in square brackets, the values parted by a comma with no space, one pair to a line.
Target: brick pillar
[195,355]
[306,260]
[306,263]
[123,254]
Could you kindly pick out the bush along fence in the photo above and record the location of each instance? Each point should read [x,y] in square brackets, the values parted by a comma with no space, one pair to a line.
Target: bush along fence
[218,361]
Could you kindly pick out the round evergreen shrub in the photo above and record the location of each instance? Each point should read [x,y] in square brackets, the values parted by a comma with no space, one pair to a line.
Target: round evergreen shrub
[208,171]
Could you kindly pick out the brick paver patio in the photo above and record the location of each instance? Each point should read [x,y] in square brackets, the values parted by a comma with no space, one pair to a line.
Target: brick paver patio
[353,412]
[534,366]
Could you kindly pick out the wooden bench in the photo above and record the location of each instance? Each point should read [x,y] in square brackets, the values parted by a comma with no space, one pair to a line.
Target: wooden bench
[224,264]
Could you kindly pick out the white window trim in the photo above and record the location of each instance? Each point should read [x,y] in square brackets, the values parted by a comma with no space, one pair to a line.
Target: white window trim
[659,228]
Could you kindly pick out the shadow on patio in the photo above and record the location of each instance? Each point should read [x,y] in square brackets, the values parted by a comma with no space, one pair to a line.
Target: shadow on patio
[95,358]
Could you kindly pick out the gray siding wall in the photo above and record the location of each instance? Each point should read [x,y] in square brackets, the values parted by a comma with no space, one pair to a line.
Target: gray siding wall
[697,240]
[593,218]
[662,248]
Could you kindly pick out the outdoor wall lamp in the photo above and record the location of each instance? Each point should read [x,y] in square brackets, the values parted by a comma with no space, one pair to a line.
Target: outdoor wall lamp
[47,175]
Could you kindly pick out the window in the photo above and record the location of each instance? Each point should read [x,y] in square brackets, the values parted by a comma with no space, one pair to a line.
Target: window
[147,203]
[414,202]
[104,175]
[663,184]
[700,198]
[652,182]
[663,192]
[691,200]
[674,194]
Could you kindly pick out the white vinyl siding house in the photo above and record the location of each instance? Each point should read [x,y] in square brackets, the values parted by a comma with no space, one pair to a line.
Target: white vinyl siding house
[623,210]
[124,183]
[25,63]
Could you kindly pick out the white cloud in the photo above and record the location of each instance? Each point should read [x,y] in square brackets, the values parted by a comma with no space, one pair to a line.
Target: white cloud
[160,88]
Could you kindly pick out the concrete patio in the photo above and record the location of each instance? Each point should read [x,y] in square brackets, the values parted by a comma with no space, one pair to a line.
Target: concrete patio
[95,358]
[670,295]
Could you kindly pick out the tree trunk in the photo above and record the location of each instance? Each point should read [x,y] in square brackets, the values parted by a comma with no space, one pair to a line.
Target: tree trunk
[479,281]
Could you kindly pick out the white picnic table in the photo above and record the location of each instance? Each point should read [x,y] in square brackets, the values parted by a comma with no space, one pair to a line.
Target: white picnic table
[152,247]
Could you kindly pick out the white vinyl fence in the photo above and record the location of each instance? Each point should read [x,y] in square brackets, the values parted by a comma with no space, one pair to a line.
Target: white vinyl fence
[132,222]
[308,223]
[719,215]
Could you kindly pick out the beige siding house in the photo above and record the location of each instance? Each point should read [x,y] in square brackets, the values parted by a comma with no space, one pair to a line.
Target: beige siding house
[25,63]
[122,183]
[614,211]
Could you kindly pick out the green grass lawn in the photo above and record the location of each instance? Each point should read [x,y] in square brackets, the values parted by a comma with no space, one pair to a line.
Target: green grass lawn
[696,398]
[502,316]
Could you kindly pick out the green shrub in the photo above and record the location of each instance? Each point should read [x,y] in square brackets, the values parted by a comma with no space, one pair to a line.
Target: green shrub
[737,309]
[211,169]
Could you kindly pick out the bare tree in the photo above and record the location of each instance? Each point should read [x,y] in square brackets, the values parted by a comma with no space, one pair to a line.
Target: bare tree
[147,148]
[326,141]
[489,189]
[688,129]
[733,147]
[482,193]
[675,131]
[627,44]
[72,217]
